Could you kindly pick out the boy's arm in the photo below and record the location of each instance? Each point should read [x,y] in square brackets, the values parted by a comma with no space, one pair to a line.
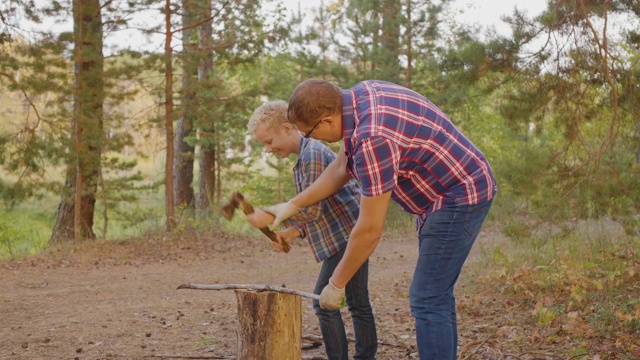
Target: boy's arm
[285,237]
[333,178]
[260,218]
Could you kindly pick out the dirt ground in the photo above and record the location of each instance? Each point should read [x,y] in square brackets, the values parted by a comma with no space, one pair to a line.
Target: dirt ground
[107,300]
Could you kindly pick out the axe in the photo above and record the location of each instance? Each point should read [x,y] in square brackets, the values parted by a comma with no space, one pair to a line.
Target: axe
[236,200]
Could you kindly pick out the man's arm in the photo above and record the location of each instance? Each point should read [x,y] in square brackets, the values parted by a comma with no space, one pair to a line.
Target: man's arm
[333,178]
[364,237]
[312,162]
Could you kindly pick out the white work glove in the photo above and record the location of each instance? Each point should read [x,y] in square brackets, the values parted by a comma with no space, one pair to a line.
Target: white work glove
[332,298]
[282,212]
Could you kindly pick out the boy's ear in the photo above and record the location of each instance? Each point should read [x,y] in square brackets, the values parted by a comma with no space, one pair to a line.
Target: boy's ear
[287,126]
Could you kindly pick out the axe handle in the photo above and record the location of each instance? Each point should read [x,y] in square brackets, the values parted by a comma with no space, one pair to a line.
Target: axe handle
[271,235]
[247,208]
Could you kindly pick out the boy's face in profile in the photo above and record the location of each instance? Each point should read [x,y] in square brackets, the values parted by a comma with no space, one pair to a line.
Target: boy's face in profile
[278,140]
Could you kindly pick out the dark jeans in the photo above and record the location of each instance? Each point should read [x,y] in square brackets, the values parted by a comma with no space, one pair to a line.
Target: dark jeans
[331,325]
[444,244]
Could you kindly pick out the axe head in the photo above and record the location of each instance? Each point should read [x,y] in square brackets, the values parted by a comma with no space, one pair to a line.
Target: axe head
[229,208]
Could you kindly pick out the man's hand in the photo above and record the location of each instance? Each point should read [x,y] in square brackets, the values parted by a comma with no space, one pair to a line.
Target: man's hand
[260,219]
[282,211]
[332,298]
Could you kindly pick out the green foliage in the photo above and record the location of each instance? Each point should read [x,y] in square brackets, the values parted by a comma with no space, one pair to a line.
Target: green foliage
[126,221]
[21,234]
[555,122]
[398,221]
[203,341]
[575,288]
[120,187]
[557,119]
[267,184]
[30,138]
[516,229]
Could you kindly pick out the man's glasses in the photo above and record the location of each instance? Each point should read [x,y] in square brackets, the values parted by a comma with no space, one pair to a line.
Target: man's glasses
[308,133]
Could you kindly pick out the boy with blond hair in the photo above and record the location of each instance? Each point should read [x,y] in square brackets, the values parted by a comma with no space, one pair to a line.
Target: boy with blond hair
[326,226]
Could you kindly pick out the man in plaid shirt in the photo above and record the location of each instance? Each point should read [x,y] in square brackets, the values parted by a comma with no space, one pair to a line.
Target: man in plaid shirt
[399,146]
[326,226]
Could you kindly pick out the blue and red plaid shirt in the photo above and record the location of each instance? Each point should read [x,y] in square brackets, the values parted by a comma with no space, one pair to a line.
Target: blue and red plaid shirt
[397,140]
[327,224]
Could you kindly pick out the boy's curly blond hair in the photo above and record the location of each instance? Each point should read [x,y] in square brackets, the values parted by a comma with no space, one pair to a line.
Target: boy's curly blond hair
[270,114]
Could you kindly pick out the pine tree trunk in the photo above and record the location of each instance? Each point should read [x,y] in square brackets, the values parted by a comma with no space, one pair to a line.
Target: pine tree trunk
[270,325]
[168,121]
[409,29]
[207,179]
[207,165]
[185,152]
[75,218]
[388,61]
[183,162]
[63,230]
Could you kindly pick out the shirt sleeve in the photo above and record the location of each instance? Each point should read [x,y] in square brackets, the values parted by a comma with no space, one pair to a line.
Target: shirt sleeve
[312,164]
[375,162]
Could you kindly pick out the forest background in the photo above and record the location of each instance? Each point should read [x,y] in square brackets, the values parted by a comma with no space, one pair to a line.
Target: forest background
[113,143]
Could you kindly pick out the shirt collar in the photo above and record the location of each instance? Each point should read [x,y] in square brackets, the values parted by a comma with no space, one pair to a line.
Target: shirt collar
[303,144]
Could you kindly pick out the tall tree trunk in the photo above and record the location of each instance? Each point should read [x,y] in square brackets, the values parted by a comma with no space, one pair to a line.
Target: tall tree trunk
[184,152]
[76,210]
[374,55]
[207,165]
[388,61]
[207,178]
[183,163]
[168,124]
[409,30]
[218,168]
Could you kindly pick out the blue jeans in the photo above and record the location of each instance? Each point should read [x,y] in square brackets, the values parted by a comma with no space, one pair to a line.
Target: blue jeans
[331,325]
[444,244]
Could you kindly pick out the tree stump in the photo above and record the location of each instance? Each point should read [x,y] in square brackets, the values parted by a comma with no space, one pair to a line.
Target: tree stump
[270,325]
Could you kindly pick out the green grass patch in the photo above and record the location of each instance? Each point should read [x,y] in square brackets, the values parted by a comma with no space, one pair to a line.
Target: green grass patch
[398,222]
[130,219]
[23,232]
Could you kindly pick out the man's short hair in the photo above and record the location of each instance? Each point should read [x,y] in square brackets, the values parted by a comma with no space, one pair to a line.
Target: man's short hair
[313,99]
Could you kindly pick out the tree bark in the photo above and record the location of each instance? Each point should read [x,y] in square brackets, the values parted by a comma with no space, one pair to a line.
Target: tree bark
[388,55]
[409,9]
[207,164]
[270,325]
[183,159]
[185,152]
[207,178]
[76,210]
[168,106]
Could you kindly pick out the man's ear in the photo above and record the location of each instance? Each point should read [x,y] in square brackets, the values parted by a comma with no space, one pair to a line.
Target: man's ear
[330,120]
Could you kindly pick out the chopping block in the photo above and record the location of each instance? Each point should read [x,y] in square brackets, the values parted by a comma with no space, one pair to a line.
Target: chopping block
[270,325]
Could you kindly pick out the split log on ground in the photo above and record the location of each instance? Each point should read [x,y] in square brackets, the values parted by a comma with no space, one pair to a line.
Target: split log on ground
[270,325]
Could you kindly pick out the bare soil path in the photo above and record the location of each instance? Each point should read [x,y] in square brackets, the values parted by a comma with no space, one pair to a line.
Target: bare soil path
[106,300]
